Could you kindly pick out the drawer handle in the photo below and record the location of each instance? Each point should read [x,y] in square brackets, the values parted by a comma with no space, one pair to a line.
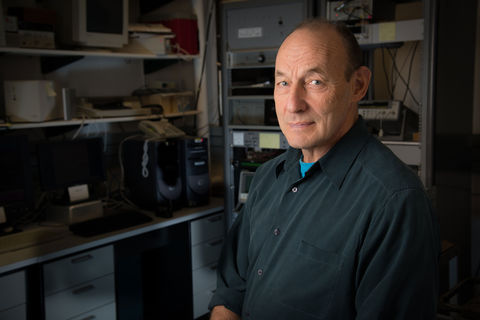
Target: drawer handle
[215,243]
[82,259]
[215,219]
[83,289]
[89,318]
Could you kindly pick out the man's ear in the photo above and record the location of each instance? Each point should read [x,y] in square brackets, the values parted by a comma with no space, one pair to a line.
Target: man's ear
[360,81]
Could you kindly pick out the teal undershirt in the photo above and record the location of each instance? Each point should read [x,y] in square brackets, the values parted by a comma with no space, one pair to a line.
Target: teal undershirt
[304,166]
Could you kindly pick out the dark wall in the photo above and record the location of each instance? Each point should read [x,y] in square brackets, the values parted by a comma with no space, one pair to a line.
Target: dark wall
[453,111]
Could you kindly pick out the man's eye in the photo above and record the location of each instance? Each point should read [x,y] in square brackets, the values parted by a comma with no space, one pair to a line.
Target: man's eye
[282,83]
[316,82]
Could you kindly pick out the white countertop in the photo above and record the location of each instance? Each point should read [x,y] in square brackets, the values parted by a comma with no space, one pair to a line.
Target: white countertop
[68,243]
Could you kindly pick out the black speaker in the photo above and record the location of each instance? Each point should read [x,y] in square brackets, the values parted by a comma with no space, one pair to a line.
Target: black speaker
[152,174]
[193,155]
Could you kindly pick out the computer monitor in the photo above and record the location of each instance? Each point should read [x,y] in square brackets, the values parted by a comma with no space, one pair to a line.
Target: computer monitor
[92,23]
[66,164]
[244,185]
[16,185]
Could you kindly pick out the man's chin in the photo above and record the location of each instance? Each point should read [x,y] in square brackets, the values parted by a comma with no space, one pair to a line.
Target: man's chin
[299,143]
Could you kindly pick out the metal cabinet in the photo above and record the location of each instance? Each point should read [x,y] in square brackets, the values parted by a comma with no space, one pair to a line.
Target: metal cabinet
[80,285]
[248,63]
[207,235]
[262,26]
[13,296]
[253,31]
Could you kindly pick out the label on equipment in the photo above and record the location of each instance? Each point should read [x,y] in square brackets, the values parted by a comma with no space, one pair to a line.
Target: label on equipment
[244,33]
[78,193]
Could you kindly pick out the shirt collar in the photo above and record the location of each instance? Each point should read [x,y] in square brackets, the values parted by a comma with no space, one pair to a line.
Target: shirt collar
[338,160]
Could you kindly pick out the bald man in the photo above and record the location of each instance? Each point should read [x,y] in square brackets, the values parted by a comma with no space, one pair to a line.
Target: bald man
[336,227]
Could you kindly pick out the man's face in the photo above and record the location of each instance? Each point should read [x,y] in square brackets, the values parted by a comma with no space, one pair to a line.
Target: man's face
[315,103]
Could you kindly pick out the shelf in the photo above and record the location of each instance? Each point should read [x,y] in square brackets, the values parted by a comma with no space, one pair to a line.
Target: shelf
[247,50]
[252,86]
[401,143]
[259,97]
[182,114]
[174,94]
[252,66]
[394,33]
[92,53]
[253,127]
[60,123]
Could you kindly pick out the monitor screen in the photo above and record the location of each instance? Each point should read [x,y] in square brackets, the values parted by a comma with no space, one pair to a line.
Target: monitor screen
[16,185]
[244,185]
[105,16]
[69,163]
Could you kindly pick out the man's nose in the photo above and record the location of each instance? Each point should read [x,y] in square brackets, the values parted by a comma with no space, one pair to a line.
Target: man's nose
[296,98]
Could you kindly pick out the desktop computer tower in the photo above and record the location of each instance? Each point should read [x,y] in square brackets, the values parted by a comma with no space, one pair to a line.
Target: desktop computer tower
[152,174]
[193,153]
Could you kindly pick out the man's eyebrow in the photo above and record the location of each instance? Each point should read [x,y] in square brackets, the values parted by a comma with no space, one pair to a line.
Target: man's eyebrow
[313,71]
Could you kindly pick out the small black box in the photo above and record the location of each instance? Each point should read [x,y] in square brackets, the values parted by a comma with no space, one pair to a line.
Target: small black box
[193,154]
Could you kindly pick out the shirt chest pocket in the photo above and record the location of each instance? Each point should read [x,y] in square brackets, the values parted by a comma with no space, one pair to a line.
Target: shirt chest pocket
[308,281]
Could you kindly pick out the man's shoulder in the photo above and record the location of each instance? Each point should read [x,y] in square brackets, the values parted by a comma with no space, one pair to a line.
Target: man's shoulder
[385,168]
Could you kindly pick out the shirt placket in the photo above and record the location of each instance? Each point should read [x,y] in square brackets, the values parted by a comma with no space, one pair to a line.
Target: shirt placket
[264,259]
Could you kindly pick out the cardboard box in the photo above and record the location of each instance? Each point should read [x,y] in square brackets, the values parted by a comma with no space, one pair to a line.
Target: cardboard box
[150,42]
[409,11]
[32,39]
[170,102]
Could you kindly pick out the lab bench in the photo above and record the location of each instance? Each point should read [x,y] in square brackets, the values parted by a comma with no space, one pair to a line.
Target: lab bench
[163,268]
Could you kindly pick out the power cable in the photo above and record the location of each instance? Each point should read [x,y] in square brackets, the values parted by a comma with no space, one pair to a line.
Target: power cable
[204,59]
[387,80]
[406,83]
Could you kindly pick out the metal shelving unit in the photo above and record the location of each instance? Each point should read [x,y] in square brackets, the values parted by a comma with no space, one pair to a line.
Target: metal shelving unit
[60,123]
[67,56]
[92,53]
[256,58]
[253,31]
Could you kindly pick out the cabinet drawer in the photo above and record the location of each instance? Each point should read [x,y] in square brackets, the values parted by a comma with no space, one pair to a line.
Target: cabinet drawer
[65,273]
[206,253]
[17,313]
[207,228]
[80,299]
[15,294]
[201,301]
[107,312]
[204,278]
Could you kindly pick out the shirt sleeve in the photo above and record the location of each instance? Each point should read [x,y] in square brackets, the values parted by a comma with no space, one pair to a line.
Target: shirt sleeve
[397,275]
[232,267]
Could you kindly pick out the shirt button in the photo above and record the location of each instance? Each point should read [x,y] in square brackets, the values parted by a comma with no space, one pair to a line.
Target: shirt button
[260,272]
[276,231]
[294,189]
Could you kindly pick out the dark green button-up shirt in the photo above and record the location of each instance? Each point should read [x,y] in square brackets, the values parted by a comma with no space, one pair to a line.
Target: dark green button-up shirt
[354,239]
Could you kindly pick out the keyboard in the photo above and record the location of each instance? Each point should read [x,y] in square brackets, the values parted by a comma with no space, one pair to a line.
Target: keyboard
[121,219]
